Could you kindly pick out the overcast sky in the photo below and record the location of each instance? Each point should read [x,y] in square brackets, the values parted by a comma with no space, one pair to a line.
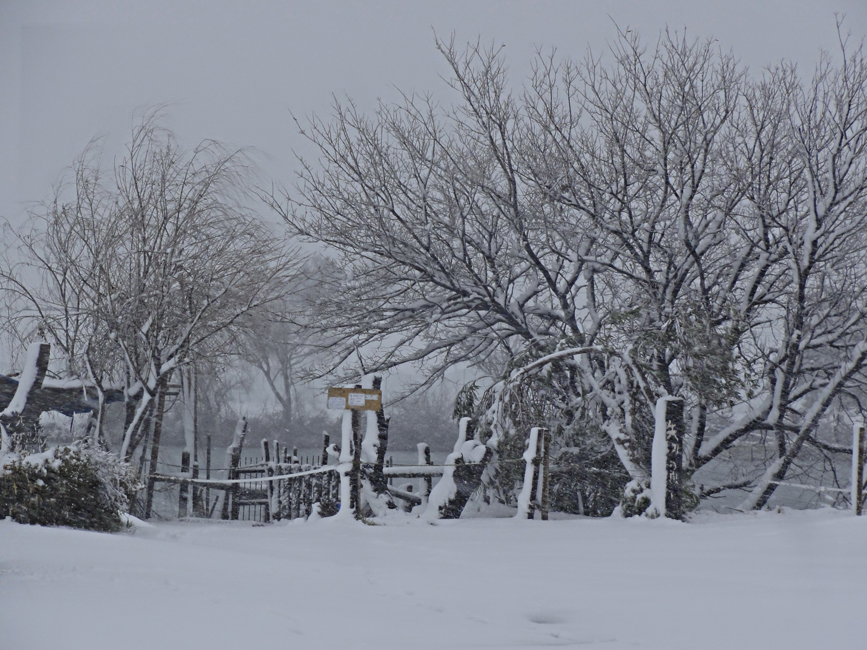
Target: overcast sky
[233,71]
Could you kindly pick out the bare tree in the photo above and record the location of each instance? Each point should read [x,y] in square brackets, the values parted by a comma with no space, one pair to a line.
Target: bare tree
[52,276]
[155,263]
[816,214]
[283,345]
[661,226]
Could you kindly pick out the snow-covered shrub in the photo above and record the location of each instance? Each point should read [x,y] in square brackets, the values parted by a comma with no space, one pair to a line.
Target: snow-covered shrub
[636,498]
[505,477]
[586,475]
[584,482]
[77,485]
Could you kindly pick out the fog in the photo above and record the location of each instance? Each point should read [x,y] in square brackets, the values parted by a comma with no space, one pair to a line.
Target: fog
[237,72]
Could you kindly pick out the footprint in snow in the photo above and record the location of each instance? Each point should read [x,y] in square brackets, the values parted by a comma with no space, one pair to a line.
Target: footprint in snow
[547,618]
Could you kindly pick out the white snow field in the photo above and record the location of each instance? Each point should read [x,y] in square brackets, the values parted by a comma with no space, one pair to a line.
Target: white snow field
[766,581]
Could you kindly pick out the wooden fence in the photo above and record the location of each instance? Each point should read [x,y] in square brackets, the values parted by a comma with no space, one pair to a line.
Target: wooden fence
[278,485]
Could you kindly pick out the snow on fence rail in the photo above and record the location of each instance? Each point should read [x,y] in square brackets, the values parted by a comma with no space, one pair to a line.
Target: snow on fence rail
[282,487]
[856,483]
[294,494]
[278,486]
[219,483]
[814,488]
[662,453]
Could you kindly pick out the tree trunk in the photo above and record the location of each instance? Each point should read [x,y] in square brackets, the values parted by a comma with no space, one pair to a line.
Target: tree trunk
[137,425]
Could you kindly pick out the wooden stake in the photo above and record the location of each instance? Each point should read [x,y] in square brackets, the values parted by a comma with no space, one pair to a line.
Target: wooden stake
[424,454]
[531,466]
[234,491]
[858,453]
[269,472]
[355,477]
[183,488]
[546,474]
[198,508]
[208,476]
[536,485]
[377,479]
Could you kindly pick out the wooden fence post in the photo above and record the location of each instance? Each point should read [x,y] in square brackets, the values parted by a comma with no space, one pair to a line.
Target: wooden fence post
[546,475]
[326,441]
[197,506]
[355,483]
[208,476]
[528,491]
[277,513]
[311,492]
[344,465]
[424,459]
[233,492]
[858,453]
[236,488]
[184,487]
[377,478]
[269,472]
[536,488]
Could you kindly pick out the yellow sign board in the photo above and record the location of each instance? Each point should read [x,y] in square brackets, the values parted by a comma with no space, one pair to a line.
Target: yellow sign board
[357,399]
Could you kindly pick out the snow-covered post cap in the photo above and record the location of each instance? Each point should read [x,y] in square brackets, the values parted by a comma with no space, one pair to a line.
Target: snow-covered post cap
[344,465]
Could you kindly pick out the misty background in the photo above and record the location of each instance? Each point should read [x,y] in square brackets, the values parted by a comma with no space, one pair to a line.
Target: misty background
[233,71]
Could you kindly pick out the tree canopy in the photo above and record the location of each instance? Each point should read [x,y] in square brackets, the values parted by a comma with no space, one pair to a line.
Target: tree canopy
[658,222]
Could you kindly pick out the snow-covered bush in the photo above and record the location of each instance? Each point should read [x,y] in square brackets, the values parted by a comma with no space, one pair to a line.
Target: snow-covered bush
[636,498]
[584,481]
[586,476]
[78,485]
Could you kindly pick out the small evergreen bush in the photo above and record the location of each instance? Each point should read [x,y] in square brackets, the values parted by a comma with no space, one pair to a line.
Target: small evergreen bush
[636,498]
[78,486]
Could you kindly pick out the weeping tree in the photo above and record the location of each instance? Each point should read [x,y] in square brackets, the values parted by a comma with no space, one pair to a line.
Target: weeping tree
[51,272]
[138,271]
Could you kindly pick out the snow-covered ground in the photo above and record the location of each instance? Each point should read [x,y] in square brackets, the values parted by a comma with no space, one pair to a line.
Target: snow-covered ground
[766,581]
